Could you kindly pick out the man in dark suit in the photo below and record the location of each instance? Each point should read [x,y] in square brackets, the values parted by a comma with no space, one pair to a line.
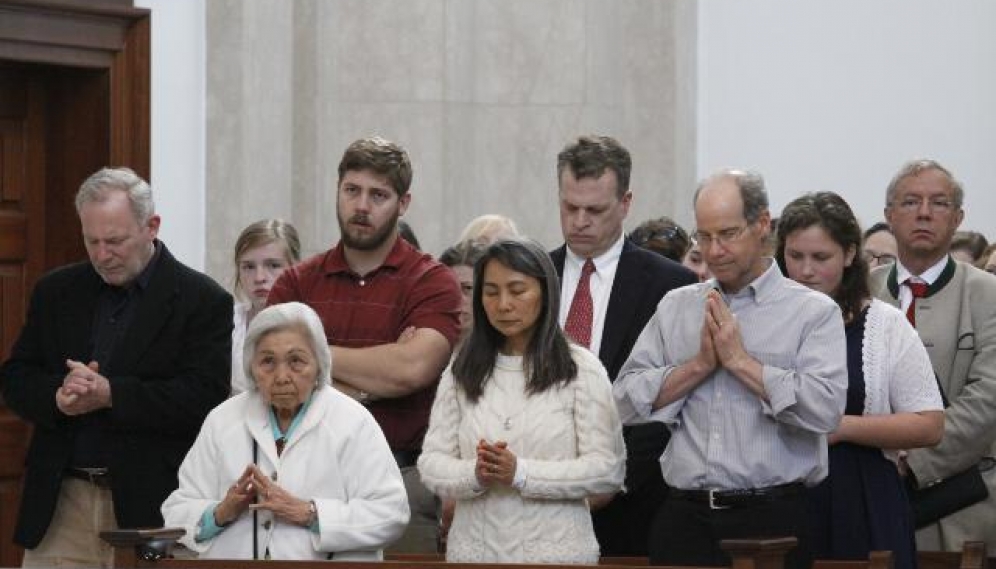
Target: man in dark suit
[119,361]
[610,289]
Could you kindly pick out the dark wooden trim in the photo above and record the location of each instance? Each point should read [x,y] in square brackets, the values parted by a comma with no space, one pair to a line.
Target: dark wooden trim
[66,33]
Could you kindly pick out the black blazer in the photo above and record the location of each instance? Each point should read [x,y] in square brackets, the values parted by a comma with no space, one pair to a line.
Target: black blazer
[170,369]
[642,279]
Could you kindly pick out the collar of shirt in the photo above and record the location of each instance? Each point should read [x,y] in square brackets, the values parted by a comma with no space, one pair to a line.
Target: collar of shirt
[760,289]
[600,286]
[335,260]
[929,276]
[605,264]
[275,425]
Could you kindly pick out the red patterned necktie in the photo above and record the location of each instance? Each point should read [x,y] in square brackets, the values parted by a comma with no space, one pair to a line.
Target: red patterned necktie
[919,290]
[579,317]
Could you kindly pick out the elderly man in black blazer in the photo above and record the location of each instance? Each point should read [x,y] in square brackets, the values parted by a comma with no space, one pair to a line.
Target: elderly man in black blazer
[119,361]
[610,288]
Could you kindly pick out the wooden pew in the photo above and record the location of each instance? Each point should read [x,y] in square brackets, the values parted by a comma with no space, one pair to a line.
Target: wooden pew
[972,556]
[424,557]
[745,554]
[876,560]
[131,545]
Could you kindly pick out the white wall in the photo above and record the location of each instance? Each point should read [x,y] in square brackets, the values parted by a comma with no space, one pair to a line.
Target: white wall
[815,95]
[178,124]
[837,95]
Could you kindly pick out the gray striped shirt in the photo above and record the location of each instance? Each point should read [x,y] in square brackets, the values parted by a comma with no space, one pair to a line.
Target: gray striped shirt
[722,435]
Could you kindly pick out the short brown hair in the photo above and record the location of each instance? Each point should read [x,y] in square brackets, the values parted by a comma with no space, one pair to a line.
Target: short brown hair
[590,155]
[382,157]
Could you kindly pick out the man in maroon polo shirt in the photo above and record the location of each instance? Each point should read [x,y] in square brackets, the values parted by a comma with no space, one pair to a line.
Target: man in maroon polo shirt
[391,313]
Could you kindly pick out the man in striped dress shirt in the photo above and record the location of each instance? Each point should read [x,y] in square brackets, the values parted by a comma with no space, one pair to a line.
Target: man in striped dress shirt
[748,370]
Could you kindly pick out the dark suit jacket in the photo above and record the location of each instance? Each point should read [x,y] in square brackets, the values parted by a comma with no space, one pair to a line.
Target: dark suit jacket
[642,279]
[171,368]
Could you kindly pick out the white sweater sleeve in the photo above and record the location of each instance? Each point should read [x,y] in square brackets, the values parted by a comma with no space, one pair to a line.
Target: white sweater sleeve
[601,460]
[442,468]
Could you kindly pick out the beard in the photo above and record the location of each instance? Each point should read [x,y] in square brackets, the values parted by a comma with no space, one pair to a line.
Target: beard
[369,241]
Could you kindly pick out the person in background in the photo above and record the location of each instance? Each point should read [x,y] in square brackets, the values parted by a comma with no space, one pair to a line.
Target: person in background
[523,428]
[610,288]
[879,246]
[748,372]
[408,234]
[987,262]
[694,261]
[968,246]
[391,314]
[662,236]
[120,359]
[262,252]
[488,228]
[953,307]
[893,403]
[461,258]
[290,469]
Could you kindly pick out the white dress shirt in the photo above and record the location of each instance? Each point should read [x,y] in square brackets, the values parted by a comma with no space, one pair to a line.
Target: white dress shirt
[929,276]
[600,284]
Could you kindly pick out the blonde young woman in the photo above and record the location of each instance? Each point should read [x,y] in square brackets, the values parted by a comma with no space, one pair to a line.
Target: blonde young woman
[263,251]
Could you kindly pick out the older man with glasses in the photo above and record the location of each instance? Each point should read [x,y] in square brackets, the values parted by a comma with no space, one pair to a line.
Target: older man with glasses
[748,371]
[953,307]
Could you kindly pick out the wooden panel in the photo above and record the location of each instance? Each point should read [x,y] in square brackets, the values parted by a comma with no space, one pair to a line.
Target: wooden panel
[131,111]
[20,51]
[13,237]
[21,24]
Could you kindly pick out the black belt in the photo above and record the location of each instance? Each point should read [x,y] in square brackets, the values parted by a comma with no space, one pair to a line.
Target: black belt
[100,477]
[723,499]
[406,458]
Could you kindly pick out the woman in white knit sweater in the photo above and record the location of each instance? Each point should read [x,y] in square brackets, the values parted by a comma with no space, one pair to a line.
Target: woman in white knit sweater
[524,427]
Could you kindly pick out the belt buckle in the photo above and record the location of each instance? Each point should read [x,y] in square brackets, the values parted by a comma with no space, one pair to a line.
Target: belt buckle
[712,501]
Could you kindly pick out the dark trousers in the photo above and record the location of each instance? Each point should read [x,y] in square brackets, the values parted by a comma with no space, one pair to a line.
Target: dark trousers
[688,533]
[623,526]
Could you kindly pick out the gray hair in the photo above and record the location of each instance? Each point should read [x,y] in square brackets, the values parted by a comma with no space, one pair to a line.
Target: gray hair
[752,191]
[98,186]
[917,167]
[289,316]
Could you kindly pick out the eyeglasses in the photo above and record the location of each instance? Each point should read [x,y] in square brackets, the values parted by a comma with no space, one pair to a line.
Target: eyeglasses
[880,259]
[722,237]
[935,205]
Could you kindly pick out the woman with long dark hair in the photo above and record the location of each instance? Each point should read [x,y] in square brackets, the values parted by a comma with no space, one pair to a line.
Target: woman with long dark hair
[893,402]
[524,427]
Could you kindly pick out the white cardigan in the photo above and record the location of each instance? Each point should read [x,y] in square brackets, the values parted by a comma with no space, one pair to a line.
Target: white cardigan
[569,442]
[336,456]
[899,377]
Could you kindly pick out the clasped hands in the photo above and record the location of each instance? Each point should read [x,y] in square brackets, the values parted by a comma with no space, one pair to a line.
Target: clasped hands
[720,344]
[83,389]
[254,484]
[495,464]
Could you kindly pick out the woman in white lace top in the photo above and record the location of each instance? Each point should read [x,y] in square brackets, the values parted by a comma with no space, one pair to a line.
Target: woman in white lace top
[523,427]
[893,402]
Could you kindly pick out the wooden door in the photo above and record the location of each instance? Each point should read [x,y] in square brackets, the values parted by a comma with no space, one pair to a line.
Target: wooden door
[74,97]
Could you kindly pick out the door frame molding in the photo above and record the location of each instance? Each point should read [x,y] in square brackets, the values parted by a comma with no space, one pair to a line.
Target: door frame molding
[95,34]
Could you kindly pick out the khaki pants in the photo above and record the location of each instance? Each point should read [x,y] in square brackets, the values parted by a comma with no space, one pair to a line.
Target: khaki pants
[423,528]
[72,539]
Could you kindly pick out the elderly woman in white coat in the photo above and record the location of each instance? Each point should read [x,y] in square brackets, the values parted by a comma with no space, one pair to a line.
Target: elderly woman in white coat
[290,469]
[523,428]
